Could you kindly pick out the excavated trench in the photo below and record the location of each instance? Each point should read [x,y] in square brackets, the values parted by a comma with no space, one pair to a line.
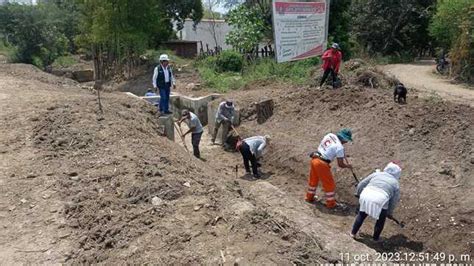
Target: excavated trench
[423,206]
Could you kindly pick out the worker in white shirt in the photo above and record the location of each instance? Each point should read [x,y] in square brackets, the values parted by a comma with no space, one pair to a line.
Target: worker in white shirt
[162,80]
[331,147]
[252,150]
[225,118]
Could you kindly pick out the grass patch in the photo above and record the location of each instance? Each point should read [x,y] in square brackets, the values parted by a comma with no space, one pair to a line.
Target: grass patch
[153,56]
[8,51]
[64,61]
[262,69]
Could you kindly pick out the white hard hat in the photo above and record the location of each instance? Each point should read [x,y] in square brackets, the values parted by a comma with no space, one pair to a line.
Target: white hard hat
[164,57]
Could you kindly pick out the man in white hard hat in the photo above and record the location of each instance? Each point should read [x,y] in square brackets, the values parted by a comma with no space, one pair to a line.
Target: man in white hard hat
[162,80]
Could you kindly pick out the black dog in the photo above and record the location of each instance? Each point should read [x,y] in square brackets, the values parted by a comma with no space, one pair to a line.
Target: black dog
[400,93]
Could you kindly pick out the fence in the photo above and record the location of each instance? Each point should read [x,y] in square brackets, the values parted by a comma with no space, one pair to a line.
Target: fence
[265,51]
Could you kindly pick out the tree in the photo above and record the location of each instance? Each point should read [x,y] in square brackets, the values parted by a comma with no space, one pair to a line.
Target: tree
[392,27]
[339,19]
[34,31]
[339,25]
[248,28]
[453,28]
[210,14]
[116,32]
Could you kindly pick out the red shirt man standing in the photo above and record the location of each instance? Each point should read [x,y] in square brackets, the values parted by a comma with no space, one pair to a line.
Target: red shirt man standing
[331,62]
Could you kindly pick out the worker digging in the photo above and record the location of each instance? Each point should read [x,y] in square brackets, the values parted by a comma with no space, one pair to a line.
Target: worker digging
[252,150]
[330,148]
[224,117]
[379,194]
[195,128]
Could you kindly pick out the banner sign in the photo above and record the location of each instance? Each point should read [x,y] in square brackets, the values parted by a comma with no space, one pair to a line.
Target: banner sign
[300,29]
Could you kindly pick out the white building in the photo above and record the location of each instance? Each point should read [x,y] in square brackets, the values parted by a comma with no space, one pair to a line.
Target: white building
[208,32]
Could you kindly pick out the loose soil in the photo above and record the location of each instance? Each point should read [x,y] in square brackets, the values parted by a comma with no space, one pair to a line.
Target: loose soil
[79,186]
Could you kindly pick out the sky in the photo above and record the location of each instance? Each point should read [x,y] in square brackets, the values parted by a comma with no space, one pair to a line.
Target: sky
[219,9]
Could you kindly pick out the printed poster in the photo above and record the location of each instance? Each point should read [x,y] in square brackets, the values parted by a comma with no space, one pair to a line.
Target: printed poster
[300,29]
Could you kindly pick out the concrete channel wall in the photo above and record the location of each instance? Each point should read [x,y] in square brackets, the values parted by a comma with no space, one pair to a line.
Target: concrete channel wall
[178,102]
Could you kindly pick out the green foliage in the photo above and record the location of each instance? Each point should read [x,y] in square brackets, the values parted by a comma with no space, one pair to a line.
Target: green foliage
[391,27]
[119,31]
[445,23]
[298,72]
[248,27]
[339,25]
[453,28]
[8,51]
[153,56]
[229,61]
[64,61]
[35,31]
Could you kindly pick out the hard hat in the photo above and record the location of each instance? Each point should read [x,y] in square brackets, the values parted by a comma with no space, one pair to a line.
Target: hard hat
[335,46]
[164,57]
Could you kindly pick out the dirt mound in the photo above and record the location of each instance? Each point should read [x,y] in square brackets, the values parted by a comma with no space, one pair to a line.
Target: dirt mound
[432,138]
[25,71]
[106,188]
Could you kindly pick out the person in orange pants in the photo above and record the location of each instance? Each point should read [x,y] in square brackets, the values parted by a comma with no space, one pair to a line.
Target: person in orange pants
[331,147]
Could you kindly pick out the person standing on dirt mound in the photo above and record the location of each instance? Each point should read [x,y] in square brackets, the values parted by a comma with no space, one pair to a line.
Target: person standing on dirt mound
[195,127]
[378,194]
[331,147]
[225,117]
[162,80]
[331,62]
[252,150]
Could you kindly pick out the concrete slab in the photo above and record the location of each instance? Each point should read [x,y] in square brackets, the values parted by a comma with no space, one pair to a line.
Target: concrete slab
[167,122]
[179,102]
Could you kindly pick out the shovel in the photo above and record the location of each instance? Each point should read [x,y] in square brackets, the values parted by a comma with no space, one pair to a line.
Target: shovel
[401,224]
[181,136]
[353,174]
[233,128]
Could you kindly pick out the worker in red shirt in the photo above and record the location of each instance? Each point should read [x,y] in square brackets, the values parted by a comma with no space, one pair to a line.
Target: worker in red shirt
[331,61]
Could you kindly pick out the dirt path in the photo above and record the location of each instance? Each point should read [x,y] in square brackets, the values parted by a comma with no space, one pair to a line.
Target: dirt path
[422,77]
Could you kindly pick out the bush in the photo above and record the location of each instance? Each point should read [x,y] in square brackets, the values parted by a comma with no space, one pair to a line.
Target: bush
[64,61]
[229,61]
[298,72]
[35,33]
[8,51]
